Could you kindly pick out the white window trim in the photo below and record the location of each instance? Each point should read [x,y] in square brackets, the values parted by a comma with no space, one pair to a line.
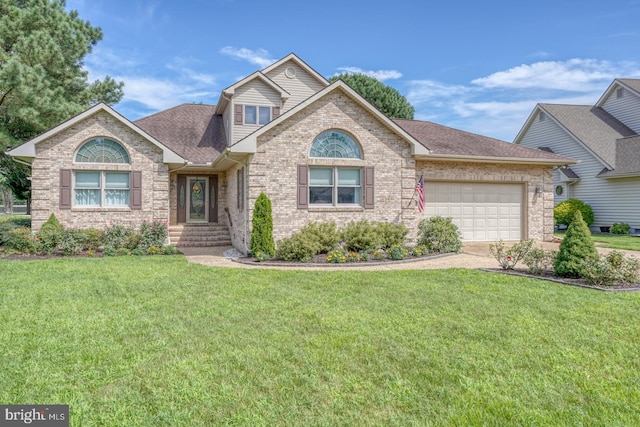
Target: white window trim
[102,189]
[335,186]
[257,107]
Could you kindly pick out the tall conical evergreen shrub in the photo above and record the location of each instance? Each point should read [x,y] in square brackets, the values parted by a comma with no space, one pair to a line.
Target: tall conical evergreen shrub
[262,233]
[576,248]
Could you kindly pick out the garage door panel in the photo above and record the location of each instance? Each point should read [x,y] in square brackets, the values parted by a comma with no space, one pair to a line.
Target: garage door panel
[482,211]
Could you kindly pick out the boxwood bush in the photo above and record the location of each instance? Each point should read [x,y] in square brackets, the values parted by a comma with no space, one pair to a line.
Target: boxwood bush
[564,212]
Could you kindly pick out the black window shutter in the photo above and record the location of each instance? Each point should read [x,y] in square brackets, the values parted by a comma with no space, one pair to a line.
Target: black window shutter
[368,187]
[303,187]
[65,188]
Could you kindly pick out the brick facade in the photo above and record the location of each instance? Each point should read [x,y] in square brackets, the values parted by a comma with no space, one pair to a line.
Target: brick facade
[273,170]
[58,152]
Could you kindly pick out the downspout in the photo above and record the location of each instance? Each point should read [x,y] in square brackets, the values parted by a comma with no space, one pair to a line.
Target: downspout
[245,186]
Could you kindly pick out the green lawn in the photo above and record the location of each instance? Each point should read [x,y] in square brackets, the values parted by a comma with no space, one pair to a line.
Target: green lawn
[154,341]
[613,241]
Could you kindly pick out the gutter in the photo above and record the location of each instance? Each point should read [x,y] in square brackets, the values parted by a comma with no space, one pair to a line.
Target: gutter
[481,159]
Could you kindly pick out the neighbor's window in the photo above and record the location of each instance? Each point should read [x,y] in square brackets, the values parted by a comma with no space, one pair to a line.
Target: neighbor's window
[256,115]
[101,188]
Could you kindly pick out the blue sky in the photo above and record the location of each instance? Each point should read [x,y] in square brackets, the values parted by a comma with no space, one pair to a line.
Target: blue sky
[472,65]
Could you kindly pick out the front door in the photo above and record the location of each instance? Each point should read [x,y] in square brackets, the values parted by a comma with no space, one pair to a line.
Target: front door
[197,200]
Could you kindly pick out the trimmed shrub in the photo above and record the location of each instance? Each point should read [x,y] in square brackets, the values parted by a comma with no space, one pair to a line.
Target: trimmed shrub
[564,212]
[621,228]
[390,234]
[94,238]
[296,248]
[20,240]
[539,260]
[151,234]
[73,242]
[509,257]
[615,268]
[324,234]
[439,235]
[116,236]
[359,236]
[170,250]
[262,233]
[51,234]
[5,228]
[397,252]
[576,249]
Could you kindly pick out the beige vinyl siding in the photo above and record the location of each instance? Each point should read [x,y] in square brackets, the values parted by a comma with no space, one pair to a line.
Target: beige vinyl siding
[625,109]
[254,92]
[301,87]
[614,200]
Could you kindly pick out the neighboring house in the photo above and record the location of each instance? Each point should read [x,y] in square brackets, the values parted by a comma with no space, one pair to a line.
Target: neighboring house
[605,140]
[319,151]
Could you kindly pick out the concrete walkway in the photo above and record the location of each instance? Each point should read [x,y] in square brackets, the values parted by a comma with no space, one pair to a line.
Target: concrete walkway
[474,255]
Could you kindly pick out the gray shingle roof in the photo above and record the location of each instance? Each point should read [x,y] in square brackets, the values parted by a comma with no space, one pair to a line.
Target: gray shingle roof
[191,130]
[194,132]
[449,141]
[632,83]
[597,129]
[627,158]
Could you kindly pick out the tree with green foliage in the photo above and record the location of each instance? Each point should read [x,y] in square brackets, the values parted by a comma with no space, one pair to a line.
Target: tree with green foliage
[564,211]
[262,233]
[42,77]
[385,98]
[576,249]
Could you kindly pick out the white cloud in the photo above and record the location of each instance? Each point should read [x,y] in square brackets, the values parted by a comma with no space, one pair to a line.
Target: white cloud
[258,57]
[572,75]
[499,104]
[381,75]
[432,92]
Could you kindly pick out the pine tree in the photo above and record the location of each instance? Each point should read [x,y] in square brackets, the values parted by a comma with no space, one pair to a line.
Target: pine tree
[43,81]
[262,233]
[576,248]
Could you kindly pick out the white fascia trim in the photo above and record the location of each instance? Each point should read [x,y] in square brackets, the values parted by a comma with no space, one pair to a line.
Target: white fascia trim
[488,159]
[28,148]
[293,57]
[230,91]
[249,143]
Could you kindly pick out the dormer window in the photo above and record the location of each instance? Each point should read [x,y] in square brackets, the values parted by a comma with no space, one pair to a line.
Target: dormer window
[256,115]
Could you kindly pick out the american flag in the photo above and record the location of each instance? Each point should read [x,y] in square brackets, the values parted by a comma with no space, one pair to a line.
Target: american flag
[420,191]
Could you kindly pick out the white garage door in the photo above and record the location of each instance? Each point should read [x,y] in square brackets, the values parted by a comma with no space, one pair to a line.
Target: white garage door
[482,212]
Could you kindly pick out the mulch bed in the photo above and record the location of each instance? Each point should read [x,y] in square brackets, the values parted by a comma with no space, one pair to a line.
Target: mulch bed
[548,275]
[321,261]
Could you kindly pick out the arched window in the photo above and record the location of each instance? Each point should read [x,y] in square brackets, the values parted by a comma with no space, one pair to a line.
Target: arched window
[102,150]
[101,188]
[335,144]
[335,185]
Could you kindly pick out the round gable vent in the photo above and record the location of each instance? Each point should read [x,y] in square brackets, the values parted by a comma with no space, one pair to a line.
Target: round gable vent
[290,72]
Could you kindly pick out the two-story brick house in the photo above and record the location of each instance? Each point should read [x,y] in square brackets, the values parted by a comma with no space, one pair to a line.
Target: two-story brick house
[318,150]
